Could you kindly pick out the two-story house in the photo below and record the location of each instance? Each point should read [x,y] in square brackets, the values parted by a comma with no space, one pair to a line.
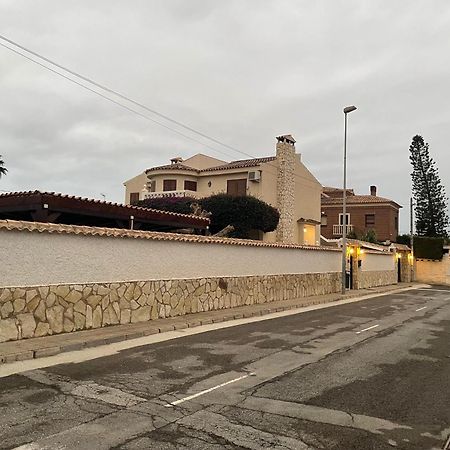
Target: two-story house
[364,213]
[282,181]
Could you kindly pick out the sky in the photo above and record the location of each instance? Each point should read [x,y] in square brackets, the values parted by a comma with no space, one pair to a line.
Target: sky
[240,71]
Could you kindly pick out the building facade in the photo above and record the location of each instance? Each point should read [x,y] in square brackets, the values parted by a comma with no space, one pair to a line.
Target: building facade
[282,180]
[364,213]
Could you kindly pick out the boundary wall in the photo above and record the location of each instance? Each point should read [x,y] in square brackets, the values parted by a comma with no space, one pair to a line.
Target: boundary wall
[60,278]
[433,272]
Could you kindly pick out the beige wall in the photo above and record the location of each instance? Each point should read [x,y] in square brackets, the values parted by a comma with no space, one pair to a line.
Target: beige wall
[201,161]
[179,176]
[434,272]
[135,184]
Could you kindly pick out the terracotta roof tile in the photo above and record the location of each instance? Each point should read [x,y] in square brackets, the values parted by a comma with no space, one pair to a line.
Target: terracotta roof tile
[358,199]
[176,166]
[242,163]
[238,164]
[16,225]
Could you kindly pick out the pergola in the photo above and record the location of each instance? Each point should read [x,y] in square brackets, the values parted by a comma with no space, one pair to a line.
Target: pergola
[52,207]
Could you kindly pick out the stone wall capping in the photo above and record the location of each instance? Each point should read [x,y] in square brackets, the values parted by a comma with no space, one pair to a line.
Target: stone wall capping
[18,225]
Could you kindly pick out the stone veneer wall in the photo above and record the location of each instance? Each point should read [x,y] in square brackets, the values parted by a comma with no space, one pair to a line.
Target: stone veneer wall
[376,278]
[34,311]
[285,191]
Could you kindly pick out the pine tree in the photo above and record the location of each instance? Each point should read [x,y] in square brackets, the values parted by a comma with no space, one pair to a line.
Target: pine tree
[429,195]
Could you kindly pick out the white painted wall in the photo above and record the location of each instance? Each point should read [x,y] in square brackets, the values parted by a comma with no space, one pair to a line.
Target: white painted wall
[377,262]
[31,258]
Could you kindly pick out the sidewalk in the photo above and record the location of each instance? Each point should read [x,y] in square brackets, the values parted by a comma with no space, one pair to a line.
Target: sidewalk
[66,342]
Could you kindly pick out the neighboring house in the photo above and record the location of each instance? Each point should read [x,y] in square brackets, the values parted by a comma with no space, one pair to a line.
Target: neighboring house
[364,213]
[282,181]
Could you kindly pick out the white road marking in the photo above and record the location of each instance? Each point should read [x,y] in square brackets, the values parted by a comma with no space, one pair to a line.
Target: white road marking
[420,309]
[367,329]
[206,391]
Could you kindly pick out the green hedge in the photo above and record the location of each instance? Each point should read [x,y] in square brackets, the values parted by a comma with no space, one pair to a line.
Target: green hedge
[428,247]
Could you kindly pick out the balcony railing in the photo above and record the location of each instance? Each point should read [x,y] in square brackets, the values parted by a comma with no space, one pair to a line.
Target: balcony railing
[338,230]
[165,194]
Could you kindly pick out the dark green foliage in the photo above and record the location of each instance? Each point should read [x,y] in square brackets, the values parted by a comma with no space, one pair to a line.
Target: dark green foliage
[175,204]
[431,203]
[352,235]
[404,239]
[428,247]
[3,169]
[369,236]
[245,213]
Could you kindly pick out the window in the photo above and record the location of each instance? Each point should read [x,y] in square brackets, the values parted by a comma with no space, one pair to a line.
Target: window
[237,187]
[134,197]
[190,185]
[169,185]
[370,220]
[151,185]
[341,219]
[324,220]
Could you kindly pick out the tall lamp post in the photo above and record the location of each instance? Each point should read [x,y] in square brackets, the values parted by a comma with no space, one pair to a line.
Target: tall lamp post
[347,109]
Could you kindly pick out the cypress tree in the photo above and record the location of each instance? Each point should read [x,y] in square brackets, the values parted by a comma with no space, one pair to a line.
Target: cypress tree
[428,192]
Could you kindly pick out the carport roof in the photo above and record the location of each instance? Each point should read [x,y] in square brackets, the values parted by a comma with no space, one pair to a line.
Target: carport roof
[72,210]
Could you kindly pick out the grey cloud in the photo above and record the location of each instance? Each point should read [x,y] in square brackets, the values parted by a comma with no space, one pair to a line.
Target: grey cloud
[242,71]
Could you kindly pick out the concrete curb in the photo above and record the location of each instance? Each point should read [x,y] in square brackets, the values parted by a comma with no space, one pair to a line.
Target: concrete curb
[49,346]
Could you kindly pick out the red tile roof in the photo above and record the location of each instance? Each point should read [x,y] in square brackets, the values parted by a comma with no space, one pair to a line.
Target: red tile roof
[238,164]
[16,225]
[358,199]
[242,163]
[176,166]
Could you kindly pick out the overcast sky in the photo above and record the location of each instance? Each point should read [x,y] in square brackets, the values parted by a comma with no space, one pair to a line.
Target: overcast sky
[241,71]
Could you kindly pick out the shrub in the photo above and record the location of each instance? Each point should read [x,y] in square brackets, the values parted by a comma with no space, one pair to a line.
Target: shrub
[404,239]
[175,204]
[428,247]
[245,213]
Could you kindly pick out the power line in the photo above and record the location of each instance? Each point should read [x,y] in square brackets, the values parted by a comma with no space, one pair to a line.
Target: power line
[126,98]
[122,96]
[113,101]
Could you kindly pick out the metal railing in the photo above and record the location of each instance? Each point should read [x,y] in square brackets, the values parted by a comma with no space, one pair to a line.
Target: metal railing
[338,230]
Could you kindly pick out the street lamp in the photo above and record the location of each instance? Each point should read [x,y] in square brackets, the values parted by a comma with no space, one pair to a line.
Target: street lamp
[347,109]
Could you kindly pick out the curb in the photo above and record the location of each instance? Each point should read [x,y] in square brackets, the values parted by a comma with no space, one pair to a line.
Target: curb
[75,343]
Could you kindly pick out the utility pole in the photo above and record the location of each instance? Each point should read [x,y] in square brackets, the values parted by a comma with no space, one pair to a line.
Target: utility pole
[411,235]
[347,110]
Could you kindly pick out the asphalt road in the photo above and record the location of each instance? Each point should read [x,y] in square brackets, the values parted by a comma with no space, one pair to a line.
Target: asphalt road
[374,374]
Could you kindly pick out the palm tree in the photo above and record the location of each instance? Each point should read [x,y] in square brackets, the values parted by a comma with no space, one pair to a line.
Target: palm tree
[3,169]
